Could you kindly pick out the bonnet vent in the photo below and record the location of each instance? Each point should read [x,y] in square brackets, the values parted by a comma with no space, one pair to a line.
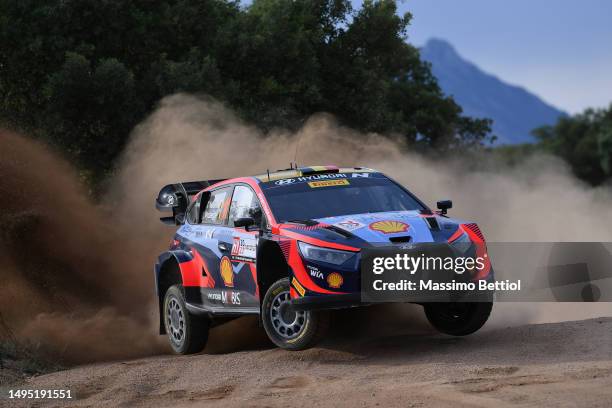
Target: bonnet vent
[432,222]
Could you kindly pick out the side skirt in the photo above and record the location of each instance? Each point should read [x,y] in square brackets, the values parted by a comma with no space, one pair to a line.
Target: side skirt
[220,310]
[220,302]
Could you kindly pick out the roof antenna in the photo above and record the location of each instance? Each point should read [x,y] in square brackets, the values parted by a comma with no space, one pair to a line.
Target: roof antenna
[268,170]
[297,146]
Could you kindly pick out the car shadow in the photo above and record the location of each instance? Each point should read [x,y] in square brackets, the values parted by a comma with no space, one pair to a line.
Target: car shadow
[241,334]
[400,334]
[391,340]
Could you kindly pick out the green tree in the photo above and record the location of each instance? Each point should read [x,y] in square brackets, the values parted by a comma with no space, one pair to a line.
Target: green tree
[584,141]
[82,73]
[91,109]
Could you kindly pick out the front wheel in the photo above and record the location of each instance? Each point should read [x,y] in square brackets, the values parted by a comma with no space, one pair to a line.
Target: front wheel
[289,328]
[458,319]
[187,333]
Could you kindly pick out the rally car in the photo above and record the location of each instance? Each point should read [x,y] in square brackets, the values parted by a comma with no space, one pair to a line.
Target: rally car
[286,246]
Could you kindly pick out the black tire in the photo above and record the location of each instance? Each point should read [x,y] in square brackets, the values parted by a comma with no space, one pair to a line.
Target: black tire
[287,328]
[458,319]
[187,333]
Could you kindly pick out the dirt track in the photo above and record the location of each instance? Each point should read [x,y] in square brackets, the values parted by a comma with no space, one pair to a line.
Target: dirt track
[555,364]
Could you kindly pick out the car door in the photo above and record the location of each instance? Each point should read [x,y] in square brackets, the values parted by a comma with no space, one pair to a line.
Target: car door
[242,243]
[206,229]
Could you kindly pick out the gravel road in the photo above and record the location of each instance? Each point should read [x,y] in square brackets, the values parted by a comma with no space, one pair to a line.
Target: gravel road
[563,364]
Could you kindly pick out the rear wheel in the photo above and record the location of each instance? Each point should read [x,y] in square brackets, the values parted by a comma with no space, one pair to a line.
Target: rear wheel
[458,319]
[187,333]
[289,328]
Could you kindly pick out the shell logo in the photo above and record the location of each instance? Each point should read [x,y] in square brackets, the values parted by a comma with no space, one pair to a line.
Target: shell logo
[227,271]
[389,227]
[335,280]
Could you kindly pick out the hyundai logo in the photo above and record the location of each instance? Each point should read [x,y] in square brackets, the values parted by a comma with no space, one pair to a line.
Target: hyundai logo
[284,182]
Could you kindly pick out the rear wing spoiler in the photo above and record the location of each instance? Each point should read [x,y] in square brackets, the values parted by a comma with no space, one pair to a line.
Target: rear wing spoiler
[176,198]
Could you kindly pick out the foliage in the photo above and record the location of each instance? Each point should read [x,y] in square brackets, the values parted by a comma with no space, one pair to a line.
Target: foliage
[584,141]
[83,73]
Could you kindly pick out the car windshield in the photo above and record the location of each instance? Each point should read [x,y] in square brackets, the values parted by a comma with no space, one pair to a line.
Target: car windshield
[312,197]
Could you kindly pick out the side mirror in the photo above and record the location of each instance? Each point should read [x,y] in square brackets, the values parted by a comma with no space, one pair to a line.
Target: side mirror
[245,222]
[444,205]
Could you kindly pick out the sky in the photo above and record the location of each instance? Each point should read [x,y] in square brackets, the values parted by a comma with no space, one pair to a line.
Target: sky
[561,50]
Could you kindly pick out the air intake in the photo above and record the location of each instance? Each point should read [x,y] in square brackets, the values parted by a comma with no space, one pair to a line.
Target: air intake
[433,223]
[474,228]
[396,240]
[339,231]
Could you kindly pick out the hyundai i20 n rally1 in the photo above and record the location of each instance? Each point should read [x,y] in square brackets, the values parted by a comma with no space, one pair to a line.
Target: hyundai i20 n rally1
[286,246]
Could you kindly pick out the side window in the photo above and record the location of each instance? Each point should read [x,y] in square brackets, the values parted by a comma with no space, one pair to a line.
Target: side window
[244,204]
[194,210]
[217,206]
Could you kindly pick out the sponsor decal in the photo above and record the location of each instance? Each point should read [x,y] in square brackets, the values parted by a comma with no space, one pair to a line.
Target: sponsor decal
[235,245]
[210,232]
[300,289]
[233,297]
[389,227]
[315,272]
[328,183]
[335,280]
[314,177]
[349,225]
[292,175]
[284,182]
[244,248]
[227,271]
[214,296]
[225,297]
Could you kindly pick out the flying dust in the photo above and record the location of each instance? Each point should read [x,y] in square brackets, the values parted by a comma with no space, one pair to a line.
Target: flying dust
[74,282]
[76,275]
[190,138]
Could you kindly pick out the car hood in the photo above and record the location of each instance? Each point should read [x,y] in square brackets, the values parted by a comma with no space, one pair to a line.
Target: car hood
[393,227]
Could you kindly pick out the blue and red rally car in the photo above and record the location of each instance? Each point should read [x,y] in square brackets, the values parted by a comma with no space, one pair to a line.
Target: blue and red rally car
[286,246]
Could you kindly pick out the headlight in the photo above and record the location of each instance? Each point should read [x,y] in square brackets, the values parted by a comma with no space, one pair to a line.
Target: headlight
[332,256]
[462,244]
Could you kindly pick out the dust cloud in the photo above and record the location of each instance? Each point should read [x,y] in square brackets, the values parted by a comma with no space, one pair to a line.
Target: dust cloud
[188,138]
[76,275]
[75,284]
[191,138]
